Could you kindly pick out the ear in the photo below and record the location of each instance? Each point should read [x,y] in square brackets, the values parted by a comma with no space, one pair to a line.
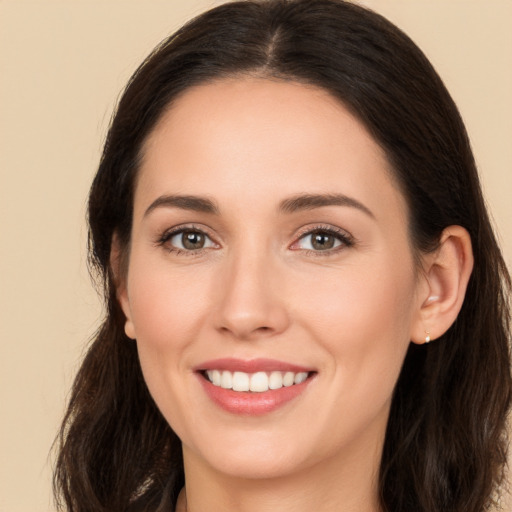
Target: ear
[446,275]
[119,272]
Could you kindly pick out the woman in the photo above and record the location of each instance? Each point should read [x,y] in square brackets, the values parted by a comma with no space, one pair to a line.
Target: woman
[306,305]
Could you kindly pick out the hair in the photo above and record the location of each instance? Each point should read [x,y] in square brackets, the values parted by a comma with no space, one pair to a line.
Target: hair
[445,445]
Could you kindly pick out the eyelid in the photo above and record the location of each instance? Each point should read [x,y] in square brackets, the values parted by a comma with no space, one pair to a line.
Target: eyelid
[164,238]
[346,239]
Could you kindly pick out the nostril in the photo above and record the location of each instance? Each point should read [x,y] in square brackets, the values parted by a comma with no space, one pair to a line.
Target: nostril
[245,330]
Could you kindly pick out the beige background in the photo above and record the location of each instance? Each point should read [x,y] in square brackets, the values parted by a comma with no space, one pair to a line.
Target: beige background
[62,65]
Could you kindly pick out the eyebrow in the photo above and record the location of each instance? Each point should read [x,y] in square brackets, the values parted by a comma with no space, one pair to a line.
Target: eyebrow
[193,203]
[312,201]
[293,204]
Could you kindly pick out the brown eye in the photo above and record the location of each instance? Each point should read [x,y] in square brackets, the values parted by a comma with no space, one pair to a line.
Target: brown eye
[322,241]
[190,240]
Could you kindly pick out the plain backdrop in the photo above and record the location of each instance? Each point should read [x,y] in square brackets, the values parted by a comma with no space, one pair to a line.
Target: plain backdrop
[62,66]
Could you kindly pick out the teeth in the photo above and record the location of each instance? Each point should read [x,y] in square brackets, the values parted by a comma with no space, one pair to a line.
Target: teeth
[216,377]
[275,381]
[240,381]
[256,382]
[300,377]
[288,379]
[226,380]
[259,382]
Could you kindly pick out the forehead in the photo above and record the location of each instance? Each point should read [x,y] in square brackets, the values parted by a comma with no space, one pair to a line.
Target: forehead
[232,112]
[263,136]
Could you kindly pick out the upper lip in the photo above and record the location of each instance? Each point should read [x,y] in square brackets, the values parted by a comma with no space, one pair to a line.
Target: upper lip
[251,365]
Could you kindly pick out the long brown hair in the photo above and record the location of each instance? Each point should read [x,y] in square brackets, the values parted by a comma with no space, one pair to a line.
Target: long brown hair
[445,446]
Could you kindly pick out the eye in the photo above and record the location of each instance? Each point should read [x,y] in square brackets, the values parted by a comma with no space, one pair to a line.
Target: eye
[319,241]
[322,240]
[187,240]
[190,240]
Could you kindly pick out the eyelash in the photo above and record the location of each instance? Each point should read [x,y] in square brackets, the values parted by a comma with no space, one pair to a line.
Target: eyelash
[345,239]
[168,235]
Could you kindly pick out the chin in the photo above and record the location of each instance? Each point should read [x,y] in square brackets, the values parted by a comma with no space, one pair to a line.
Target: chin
[267,458]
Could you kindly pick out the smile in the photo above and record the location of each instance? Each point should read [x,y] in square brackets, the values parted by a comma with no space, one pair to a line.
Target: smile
[258,382]
[255,387]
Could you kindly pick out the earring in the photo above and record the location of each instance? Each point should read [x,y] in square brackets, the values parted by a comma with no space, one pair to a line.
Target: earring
[427,337]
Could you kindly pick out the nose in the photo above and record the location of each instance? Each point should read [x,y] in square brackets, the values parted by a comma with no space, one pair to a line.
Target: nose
[251,302]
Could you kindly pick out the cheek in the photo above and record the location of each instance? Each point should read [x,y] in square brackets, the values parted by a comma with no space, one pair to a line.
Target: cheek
[166,306]
[167,309]
[363,319]
[361,298]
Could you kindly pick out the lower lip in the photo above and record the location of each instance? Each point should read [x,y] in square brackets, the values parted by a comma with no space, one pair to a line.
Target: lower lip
[251,403]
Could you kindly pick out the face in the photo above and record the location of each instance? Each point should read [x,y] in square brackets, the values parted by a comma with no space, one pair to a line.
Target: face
[271,286]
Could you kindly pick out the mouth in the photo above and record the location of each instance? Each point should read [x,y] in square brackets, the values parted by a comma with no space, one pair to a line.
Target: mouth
[258,382]
[253,387]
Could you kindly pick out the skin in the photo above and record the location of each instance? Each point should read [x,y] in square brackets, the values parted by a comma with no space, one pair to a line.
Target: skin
[259,289]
